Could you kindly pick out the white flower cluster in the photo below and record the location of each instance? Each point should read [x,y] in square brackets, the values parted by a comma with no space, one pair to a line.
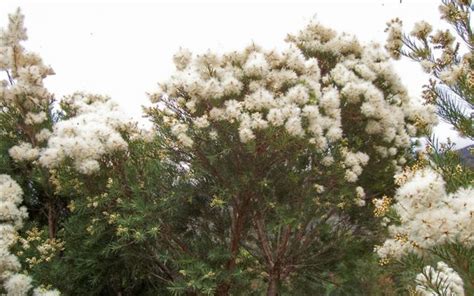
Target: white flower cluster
[354,163]
[429,216]
[395,37]
[10,199]
[43,292]
[24,152]
[309,90]
[441,280]
[421,30]
[11,219]
[24,94]
[26,68]
[450,75]
[179,131]
[360,194]
[92,131]
[18,284]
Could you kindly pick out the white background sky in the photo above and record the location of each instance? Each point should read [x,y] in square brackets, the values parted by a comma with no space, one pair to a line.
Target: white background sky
[123,48]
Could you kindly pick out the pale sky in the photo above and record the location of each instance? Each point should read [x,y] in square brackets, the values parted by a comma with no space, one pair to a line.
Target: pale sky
[123,48]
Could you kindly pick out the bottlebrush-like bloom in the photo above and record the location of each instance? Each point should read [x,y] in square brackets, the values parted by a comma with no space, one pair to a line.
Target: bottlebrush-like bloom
[441,280]
[92,131]
[429,216]
[10,200]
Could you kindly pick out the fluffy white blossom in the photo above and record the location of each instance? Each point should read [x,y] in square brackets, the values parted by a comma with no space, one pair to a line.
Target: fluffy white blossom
[44,292]
[327,160]
[360,202]
[429,216]
[43,135]
[213,135]
[294,127]
[394,39]
[23,152]
[451,75]
[256,65]
[35,118]
[93,130]
[179,131]
[427,66]
[11,219]
[182,58]
[298,94]
[246,135]
[360,192]
[11,37]
[28,71]
[442,279]
[18,285]
[354,162]
[201,122]
[421,29]
[10,200]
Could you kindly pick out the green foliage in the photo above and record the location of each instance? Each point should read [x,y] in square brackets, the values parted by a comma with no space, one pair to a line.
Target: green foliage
[447,161]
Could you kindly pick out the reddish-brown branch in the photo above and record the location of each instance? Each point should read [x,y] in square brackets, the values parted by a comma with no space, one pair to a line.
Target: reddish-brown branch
[51,219]
[263,239]
[238,218]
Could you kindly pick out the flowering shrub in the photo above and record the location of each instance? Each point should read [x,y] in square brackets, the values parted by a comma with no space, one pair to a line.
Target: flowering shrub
[255,178]
[285,144]
[11,220]
[429,216]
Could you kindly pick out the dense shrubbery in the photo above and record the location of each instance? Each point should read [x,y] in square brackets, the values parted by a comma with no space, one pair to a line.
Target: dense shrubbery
[265,172]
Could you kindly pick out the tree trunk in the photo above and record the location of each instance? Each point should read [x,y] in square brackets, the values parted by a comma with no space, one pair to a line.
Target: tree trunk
[222,290]
[51,220]
[272,289]
[237,226]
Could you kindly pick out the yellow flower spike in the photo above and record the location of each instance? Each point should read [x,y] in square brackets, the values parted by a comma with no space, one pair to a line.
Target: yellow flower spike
[382,206]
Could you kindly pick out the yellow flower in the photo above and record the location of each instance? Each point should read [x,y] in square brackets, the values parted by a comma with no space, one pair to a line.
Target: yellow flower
[71,206]
[217,202]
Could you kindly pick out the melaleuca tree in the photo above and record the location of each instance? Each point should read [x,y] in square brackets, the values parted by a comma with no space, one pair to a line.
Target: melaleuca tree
[286,147]
[432,216]
[26,119]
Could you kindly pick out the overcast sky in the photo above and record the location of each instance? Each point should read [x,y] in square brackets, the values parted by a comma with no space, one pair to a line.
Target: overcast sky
[123,48]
